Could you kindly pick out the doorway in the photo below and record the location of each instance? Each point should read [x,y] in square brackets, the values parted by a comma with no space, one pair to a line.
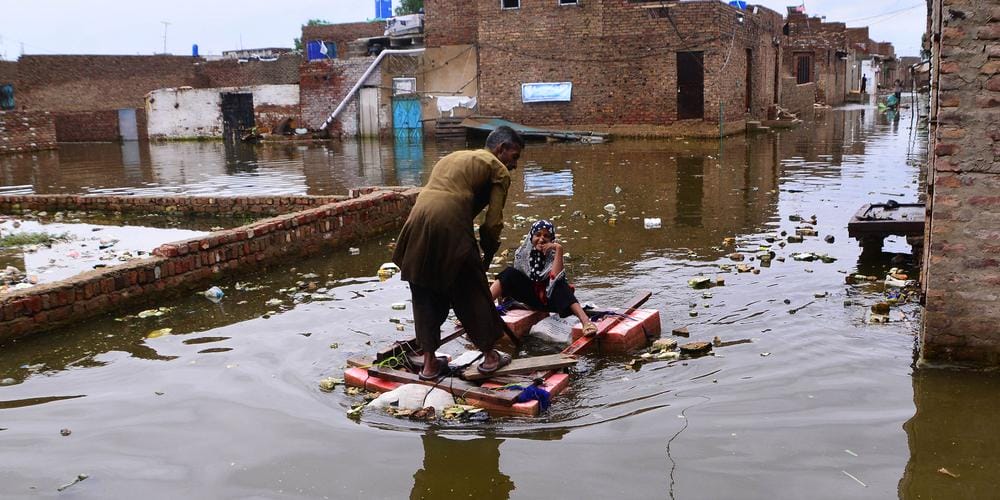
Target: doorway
[690,85]
[748,100]
[128,130]
[368,111]
[237,116]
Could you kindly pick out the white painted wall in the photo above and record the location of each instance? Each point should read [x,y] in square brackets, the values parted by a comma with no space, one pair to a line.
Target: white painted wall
[187,113]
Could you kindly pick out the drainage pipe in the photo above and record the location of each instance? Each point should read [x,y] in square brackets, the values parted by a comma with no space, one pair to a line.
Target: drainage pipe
[368,72]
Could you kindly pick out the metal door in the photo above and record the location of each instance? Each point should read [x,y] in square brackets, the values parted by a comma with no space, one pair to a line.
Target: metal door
[127,128]
[368,112]
[406,117]
[690,85]
[237,116]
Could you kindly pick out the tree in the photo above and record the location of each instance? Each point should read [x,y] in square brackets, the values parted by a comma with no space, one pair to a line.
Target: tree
[312,22]
[409,7]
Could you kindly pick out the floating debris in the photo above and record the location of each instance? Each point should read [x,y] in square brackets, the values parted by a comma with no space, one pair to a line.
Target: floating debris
[700,282]
[354,251]
[681,332]
[389,269]
[159,333]
[651,223]
[696,348]
[947,472]
[330,383]
[214,294]
[79,477]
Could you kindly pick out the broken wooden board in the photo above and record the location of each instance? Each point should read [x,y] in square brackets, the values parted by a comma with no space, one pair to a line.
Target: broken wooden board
[411,346]
[524,365]
[453,385]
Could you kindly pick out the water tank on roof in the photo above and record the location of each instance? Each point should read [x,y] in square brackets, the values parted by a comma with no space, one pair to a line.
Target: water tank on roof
[194,50]
[383,9]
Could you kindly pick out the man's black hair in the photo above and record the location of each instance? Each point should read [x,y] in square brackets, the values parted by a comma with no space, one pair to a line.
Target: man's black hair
[503,135]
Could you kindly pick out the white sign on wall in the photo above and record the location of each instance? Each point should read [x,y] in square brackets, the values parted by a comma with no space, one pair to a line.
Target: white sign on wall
[546,92]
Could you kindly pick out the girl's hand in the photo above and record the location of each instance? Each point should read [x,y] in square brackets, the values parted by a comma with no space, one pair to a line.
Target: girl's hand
[551,247]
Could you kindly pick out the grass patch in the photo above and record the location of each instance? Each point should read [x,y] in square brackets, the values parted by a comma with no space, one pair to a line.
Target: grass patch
[22,239]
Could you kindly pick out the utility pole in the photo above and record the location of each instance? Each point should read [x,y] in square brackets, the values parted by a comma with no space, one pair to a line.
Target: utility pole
[165,24]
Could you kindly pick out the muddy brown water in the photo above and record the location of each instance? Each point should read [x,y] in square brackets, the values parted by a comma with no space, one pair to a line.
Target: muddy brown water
[819,405]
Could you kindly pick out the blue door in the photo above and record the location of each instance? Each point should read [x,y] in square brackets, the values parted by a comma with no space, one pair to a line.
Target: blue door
[406,117]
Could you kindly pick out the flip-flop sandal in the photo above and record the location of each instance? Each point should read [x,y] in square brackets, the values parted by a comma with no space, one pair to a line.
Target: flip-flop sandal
[443,369]
[504,360]
[589,330]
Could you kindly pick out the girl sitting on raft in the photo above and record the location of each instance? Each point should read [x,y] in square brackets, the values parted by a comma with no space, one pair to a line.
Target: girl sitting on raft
[537,278]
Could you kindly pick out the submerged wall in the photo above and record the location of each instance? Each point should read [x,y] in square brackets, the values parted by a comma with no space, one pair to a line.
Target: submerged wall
[189,264]
[22,131]
[961,269]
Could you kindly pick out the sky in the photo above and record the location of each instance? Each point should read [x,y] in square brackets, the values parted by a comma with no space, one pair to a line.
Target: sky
[136,26]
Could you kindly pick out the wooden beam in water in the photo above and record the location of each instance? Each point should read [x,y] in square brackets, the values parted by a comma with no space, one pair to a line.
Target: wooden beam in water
[524,365]
[454,385]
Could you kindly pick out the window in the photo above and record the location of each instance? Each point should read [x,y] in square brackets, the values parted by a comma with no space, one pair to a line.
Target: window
[803,68]
[569,2]
[403,86]
[510,4]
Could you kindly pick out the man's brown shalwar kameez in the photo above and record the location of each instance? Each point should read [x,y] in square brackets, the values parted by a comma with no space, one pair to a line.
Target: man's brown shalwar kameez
[437,251]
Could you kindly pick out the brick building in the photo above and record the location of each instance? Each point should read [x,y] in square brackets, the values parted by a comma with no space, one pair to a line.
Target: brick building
[342,39]
[817,51]
[961,270]
[631,67]
[90,96]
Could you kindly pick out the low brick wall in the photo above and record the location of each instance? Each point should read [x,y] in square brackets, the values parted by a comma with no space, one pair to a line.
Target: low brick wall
[798,99]
[23,131]
[181,205]
[190,263]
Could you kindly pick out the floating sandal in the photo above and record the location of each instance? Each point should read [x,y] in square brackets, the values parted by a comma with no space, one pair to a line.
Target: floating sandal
[504,360]
[589,330]
[442,370]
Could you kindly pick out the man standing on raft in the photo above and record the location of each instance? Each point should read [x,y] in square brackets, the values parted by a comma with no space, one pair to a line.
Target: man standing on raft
[438,255]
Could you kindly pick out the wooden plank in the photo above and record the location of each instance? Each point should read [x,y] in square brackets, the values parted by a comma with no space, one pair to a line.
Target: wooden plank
[454,385]
[411,345]
[524,365]
[606,326]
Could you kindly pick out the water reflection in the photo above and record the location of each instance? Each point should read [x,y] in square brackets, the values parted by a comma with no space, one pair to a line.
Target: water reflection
[954,445]
[455,467]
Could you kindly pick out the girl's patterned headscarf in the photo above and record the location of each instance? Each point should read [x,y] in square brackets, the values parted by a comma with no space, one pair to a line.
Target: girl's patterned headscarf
[543,224]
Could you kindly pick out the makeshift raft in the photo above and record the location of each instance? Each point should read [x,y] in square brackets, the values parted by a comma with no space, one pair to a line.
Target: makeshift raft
[620,331]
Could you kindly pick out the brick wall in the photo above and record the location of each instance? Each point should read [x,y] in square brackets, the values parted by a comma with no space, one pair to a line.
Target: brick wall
[8,71]
[87,126]
[342,35]
[621,58]
[798,99]
[22,131]
[88,83]
[232,73]
[237,206]
[961,273]
[821,40]
[447,22]
[323,84]
[191,263]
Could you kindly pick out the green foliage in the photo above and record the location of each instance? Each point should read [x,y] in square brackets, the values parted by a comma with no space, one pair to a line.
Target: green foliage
[312,22]
[21,239]
[409,7]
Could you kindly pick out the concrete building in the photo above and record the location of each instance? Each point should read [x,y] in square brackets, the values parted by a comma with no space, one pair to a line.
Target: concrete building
[230,112]
[961,268]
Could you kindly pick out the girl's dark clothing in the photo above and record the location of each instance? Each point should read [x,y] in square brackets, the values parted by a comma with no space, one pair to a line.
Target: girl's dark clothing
[535,295]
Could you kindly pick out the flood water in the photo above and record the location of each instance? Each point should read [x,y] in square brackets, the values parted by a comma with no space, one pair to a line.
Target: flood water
[820,404]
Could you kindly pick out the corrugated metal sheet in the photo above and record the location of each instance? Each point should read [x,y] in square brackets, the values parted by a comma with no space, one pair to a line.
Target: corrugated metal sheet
[488,124]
